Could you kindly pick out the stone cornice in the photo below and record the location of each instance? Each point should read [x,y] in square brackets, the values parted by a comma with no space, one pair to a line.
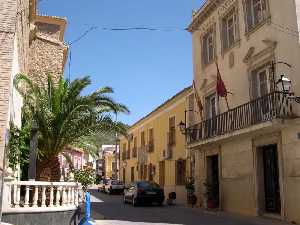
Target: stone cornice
[203,13]
[61,22]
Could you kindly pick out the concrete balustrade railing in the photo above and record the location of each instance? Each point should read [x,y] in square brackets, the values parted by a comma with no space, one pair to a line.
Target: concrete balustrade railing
[39,196]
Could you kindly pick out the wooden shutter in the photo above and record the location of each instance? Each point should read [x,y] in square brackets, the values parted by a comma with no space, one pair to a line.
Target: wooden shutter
[224,34]
[180,172]
[204,50]
[143,138]
[253,85]
[172,131]
[191,104]
[162,173]
[132,174]
[249,14]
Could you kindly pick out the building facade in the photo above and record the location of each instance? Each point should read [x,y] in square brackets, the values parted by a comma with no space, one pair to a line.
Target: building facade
[73,156]
[247,152]
[29,44]
[108,162]
[155,149]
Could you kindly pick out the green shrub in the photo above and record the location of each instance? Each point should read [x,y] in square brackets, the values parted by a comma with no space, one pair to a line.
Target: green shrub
[85,177]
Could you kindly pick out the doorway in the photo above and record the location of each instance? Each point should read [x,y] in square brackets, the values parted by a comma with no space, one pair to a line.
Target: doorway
[124,175]
[213,179]
[162,173]
[268,180]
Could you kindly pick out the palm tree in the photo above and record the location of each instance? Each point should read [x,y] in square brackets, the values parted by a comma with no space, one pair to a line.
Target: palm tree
[65,116]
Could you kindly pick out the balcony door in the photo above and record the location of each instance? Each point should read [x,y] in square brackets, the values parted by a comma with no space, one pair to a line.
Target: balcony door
[210,115]
[260,82]
[260,88]
[211,106]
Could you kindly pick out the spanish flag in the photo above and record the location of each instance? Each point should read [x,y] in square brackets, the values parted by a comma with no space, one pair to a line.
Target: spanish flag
[198,99]
[221,88]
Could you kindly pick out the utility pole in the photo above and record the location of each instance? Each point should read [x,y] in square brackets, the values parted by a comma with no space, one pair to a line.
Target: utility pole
[116,152]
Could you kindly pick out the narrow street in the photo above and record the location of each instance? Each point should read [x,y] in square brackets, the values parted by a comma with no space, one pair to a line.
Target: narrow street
[115,212]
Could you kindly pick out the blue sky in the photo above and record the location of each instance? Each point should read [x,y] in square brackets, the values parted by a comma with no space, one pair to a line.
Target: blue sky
[145,68]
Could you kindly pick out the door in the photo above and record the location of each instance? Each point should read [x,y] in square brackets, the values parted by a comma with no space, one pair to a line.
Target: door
[124,175]
[271,179]
[213,178]
[132,174]
[162,173]
[259,91]
[210,114]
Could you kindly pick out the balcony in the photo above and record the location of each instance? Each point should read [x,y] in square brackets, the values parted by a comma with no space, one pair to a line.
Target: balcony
[276,105]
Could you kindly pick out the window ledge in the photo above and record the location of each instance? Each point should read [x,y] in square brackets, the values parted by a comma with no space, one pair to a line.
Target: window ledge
[204,66]
[235,44]
[257,27]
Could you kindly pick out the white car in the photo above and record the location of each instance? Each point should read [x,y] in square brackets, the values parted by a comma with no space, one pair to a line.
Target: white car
[114,186]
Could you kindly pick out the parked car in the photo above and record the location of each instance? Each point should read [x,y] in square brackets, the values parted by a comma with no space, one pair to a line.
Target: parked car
[101,185]
[114,186]
[144,192]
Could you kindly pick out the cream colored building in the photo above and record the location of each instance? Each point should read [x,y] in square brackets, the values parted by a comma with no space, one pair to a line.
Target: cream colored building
[250,153]
[155,148]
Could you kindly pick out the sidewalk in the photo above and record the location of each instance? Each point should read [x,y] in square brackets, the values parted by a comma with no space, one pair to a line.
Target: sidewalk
[118,222]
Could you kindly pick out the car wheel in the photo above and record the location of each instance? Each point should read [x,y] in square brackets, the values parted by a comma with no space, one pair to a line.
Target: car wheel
[134,201]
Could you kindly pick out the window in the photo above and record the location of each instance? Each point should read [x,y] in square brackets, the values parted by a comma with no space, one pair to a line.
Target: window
[211,106]
[180,172]
[230,29]
[259,88]
[208,47]
[256,12]
[151,140]
[124,152]
[172,131]
[143,139]
[132,174]
[191,109]
[259,82]
[134,150]
[128,150]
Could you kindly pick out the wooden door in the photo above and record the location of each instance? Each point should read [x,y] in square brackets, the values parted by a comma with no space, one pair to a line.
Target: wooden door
[271,179]
[162,173]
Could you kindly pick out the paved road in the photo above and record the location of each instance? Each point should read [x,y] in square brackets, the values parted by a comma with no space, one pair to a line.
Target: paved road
[117,213]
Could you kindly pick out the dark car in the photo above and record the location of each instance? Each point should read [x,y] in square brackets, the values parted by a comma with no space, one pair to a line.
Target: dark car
[144,192]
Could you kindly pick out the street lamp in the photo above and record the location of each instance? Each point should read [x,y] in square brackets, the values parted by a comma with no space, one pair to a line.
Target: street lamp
[273,71]
[286,84]
[182,125]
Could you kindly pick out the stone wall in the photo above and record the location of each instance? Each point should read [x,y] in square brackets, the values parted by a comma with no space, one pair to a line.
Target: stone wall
[43,218]
[46,57]
[47,51]
[14,45]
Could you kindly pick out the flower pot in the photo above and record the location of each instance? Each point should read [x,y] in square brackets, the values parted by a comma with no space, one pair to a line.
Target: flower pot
[212,204]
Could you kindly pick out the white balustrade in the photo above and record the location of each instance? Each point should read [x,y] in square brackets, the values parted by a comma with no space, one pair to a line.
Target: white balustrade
[37,196]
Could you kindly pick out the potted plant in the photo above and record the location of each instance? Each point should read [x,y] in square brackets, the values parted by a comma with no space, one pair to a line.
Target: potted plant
[212,195]
[190,190]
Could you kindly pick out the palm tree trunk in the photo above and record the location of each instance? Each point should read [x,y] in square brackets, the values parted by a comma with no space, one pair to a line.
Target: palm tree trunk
[48,169]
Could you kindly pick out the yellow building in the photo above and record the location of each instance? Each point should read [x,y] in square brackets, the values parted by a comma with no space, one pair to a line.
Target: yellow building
[247,153]
[109,161]
[155,149]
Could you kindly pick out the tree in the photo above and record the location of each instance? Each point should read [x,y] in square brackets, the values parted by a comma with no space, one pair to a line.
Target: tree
[65,116]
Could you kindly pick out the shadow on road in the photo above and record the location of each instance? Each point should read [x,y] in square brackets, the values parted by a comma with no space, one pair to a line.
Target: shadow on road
[112,207]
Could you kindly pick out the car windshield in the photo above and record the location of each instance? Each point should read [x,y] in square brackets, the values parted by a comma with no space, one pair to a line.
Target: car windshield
[115,182]
[148,185]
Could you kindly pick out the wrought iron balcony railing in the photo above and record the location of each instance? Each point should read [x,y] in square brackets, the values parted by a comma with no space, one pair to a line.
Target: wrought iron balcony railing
[266,108]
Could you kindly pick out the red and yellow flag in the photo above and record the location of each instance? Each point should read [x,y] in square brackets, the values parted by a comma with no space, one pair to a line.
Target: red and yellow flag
[198,99]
